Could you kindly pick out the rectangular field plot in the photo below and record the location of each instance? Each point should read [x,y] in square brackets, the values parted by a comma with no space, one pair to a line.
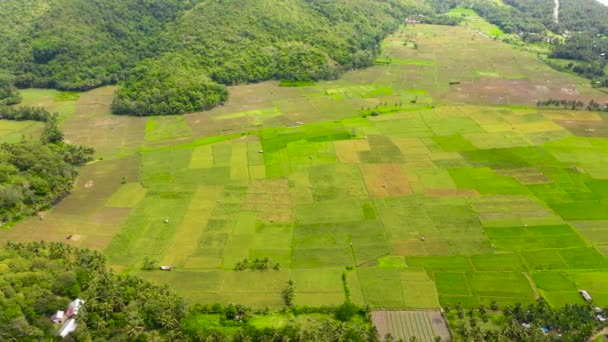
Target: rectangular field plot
[319,298]
[318,280]
[596,232]
[500,284]
[322,257]
[339,181]
[558,298]
[486,181]
[270,281]
[150,228]
[418,290]
[127,196]
[595,283]
[534,237]
[410,325]
[548,259]
[584,258]
[329,211]
[513,210]
[438,263]
[383,180]
[379,285]
[498,262]
[451,283]
[166,127]
[553,281]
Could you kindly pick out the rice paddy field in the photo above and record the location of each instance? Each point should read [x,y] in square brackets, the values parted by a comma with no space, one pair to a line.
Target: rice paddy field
[419,192]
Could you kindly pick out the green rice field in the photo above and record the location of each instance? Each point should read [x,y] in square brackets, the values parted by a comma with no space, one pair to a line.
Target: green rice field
[420,193]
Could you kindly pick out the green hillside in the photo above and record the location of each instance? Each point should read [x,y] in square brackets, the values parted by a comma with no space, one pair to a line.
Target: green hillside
[80,45]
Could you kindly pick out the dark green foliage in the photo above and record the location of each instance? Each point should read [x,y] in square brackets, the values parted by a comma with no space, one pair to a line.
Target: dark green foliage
[571,322]
[25,113]
[447,20]
[346,311]
[51,134]
[9,95]
[79,45]
[289,293]
[257,265]
[167,86]
[149,264]
[592,106]
[285,83]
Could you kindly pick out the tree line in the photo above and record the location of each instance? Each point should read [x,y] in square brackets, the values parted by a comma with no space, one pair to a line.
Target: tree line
[592,105]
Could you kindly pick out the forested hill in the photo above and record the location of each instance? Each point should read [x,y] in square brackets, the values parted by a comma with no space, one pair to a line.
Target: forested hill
[176,55]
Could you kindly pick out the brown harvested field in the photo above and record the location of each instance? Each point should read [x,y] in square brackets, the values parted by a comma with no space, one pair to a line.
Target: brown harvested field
[347,152]
[404,325]
[411,146]
[93,125]
[489,71]
[384,180]
[586,128]
[409,247]
[527,175]
[271,198]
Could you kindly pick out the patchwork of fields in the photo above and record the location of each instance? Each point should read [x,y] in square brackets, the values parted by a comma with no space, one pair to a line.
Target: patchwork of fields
[420,193]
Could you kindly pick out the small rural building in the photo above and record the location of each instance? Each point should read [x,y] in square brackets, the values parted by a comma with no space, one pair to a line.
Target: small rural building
[600,318]
[74,306]
[58,317]
[166,268]
[585,295]
[69,326]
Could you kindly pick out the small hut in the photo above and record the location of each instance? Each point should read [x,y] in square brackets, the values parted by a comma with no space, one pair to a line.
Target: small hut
[585,295]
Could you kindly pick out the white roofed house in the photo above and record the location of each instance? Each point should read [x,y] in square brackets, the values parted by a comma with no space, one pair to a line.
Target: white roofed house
[69,326]
[67,317]
[585,295]
[74,306]
[58,317]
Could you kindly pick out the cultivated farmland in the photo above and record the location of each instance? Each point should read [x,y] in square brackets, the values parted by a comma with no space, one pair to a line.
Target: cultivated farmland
[421,193]
[423,325]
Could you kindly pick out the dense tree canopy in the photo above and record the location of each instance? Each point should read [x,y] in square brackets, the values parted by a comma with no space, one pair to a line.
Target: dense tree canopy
[9,95]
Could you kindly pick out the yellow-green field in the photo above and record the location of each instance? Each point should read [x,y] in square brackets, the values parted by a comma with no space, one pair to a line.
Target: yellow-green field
[420,192]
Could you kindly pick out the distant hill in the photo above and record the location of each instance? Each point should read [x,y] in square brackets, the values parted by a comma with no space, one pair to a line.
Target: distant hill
[174,54]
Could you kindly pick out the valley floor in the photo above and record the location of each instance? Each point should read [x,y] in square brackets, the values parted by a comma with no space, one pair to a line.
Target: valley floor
[426,181]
